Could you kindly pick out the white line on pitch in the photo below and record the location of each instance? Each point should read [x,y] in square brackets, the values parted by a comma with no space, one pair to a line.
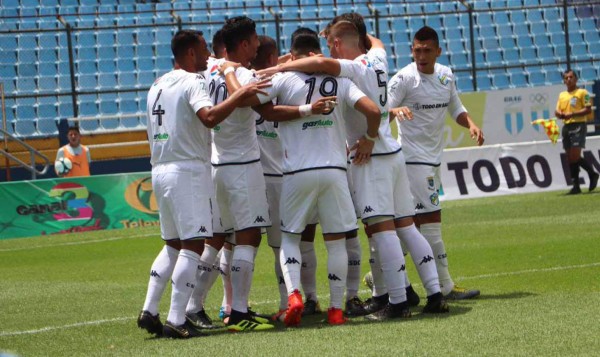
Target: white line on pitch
[482,276]
[77,243]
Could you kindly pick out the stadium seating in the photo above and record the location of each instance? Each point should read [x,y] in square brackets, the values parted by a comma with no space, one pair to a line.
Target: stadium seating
[123,46]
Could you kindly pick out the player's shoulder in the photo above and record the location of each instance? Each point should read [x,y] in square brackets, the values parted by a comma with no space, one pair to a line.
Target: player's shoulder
[443,70]
[406,75]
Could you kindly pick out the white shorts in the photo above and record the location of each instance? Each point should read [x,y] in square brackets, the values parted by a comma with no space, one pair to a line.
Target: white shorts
[241,196]
[273,195]
[322,190]
[183,195]
[425,181]
[381,188]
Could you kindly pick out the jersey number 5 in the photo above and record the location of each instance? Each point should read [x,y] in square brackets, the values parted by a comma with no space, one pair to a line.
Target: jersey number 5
[382,83]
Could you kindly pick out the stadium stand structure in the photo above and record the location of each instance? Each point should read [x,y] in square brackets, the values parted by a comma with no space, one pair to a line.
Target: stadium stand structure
[120,47]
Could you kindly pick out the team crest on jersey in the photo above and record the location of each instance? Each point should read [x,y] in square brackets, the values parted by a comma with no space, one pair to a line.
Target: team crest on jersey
[430,183]
[435,199]
[214,70]
[365,62]
[443,79]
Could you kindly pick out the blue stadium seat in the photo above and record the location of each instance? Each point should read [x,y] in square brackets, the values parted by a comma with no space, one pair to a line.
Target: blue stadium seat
[126,80]
[518,80]
[47,126]
[107,80]
[501,80]
[537,78]
[25,112]
[464,83]
[87,82]
[25,127]
[26,85]
[47,84]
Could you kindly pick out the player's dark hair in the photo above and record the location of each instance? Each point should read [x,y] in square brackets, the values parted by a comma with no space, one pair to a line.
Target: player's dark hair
[218,46]
[302,31]
[304,44]
[570,71]
[74,128]
[359,22]
[183,40]
[236,30]
[426,33]
[267,47]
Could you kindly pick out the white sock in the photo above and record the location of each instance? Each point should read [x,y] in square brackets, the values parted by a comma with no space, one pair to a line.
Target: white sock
[379,287]
[225,266]
[205,272]
[422,256]
[433,233]
[308,272]
[184,281]
[212,277]
[405,252]
[290,260]
[283,295]
[392,264]
[337,271]
[160,274]
[242,269]
[354,257]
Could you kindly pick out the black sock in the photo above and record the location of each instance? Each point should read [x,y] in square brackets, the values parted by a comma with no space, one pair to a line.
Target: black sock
[586,166]
[575,173]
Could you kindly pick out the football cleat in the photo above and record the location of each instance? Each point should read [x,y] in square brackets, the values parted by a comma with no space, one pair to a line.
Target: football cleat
[355,307]
[574,191]
[436,304]
[311,307]
[458,293]
[187,330]
[258,317]
[368,280]
[390,311]
[200,320]
[295,309]
[279,316]
[150,323]
[376,303]
[240,322]
[411,296]
[335,316]
[594,181]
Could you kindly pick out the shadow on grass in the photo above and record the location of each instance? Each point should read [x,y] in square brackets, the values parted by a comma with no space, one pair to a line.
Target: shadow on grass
[505,296]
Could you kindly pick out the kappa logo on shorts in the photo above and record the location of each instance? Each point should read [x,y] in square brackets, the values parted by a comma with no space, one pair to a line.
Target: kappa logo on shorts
[426,259]
[259,219]
[333,277]
[154,274]
[368,209]
[402,268]
[202,229]
[419,206]
[291,260]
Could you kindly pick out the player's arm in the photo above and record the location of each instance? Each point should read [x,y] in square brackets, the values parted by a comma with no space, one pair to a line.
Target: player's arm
[465,120]
[375,42]
[364,146]
[396,93]
[60,154]
[312,64]
[278,112]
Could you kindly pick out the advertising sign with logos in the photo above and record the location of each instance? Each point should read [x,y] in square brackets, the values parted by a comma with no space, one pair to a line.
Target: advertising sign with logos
[55,206]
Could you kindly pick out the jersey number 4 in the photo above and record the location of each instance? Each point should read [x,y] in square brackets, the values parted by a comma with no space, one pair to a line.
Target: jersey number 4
[158,111]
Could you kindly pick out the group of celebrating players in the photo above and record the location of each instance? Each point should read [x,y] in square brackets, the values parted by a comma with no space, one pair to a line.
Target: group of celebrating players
[298,140]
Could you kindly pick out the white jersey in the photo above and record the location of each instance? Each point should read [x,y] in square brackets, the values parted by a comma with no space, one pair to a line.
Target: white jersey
[428,96]
[174,131]
[316,141]
[234,139]
[269,142]
[370,73]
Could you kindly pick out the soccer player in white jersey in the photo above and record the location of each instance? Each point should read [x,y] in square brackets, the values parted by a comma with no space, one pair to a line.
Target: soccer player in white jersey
[179,111]
[428,90]
[314,173]
[391,199]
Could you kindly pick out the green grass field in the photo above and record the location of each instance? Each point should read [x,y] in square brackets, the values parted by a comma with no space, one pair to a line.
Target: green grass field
[535,257]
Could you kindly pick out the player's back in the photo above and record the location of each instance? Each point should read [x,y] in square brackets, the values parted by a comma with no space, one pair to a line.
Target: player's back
[315,141]
[174,131]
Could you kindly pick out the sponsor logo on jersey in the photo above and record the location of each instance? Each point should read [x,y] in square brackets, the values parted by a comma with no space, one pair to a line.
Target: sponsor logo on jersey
[317,124]
[161,137]
[430,183]
[365,62]
[214,70]
[419,106]
[435,199]
[266,134]
[443,79]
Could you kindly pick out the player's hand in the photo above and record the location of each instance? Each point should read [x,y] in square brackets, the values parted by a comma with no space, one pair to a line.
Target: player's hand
[364,148]
[324,105]
[268,72]
[402,113]
[254,88]
[477,134]
[227,64]
[567,116]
